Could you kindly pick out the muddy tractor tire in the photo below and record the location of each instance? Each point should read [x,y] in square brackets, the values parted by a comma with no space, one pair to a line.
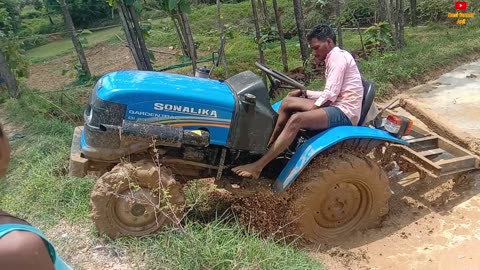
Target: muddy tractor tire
[335,196]
[136,199]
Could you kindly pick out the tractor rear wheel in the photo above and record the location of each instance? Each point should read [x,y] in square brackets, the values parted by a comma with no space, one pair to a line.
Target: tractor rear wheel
[335,196]
[136,199]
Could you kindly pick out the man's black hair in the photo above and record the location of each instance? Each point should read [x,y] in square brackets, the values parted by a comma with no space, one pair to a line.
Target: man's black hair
[322,32]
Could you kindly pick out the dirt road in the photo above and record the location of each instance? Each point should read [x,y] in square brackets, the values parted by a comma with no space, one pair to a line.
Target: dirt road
[427,228]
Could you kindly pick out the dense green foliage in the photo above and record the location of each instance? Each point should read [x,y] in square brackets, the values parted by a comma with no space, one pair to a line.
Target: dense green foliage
[10,46]
[84,12]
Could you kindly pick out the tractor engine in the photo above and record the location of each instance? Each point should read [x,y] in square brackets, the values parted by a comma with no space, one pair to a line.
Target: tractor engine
[183,118]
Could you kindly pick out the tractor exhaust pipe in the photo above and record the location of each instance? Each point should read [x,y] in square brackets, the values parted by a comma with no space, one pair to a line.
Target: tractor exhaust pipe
[161,134]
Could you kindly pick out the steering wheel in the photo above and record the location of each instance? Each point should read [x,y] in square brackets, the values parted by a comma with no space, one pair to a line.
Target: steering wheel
[275,76]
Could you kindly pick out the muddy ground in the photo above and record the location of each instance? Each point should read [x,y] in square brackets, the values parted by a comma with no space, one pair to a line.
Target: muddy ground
[431,224]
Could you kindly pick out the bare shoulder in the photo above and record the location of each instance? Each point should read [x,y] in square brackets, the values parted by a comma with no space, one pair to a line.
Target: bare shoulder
[24,250]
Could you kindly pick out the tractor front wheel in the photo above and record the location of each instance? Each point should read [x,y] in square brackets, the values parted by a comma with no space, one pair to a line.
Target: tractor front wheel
[335,196]
[136,199]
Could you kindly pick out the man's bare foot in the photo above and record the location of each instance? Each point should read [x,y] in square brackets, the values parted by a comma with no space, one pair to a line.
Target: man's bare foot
[249,170]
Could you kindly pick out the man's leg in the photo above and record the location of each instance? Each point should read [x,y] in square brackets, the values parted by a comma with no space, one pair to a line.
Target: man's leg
[314,120]
[287,108]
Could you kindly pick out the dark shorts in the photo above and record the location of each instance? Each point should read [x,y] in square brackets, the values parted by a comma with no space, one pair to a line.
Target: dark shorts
[336,117]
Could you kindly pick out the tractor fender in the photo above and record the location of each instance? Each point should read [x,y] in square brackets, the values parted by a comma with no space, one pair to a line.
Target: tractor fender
[322,141]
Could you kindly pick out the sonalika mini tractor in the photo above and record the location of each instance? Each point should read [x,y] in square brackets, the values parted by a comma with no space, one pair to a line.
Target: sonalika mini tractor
[197,127]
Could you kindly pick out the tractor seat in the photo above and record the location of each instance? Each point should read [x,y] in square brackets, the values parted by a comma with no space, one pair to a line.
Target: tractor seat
[368,96]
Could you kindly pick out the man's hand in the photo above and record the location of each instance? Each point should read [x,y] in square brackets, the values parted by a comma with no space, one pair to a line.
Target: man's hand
[295,93]
[314,107]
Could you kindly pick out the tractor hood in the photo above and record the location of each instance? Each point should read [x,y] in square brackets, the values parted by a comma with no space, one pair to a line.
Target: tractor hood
[132,87]
[165,98]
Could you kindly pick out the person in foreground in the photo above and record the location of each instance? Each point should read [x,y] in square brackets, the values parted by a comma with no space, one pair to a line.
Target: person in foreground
[339,104]
[23,246]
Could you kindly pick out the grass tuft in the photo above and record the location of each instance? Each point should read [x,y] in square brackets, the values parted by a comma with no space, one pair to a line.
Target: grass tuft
[216,245]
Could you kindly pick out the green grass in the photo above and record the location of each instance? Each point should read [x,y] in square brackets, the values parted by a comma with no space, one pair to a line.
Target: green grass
[427,49]
[216,245]
[36,186]
[63,47]
[37,189]
[387,71]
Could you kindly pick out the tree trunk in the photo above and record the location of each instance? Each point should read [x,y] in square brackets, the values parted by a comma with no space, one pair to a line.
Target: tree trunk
[189,37]
[181,24]
[7,75]
[221,53]
[129,36]
[140,39]
[361,40]
[413,12]
[389,8]
[75,40]
[401,24]
[398,22]
[50,19]
[393,20]
[266,19]
[382,10]
[180,36]
[257,35]
[281,36]
[257,32]
[339,24]
[297,7]
[48,14]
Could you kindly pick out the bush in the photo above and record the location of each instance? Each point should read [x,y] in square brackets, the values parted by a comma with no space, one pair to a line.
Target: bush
[34,41]
[41,25]
[434,10]
[83,12]
[154,14]
[317,11]
[12,17]
[379,36]
[31,14]
[361,10]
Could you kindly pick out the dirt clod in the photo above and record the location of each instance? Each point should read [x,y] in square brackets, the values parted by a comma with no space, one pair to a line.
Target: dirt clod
[264,212]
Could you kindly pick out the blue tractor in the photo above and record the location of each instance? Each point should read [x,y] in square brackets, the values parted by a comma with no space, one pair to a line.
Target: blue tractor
[150,132]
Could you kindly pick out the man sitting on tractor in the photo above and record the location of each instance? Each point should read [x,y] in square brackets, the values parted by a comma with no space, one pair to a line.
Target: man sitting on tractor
[339,104]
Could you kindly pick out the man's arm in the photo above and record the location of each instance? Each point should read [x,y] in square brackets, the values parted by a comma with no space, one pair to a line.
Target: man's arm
[333,85]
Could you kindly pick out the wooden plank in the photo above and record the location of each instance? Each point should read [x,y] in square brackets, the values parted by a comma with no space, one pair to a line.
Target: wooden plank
[423,139]
[424,143]
[431,152]
[457,164]
[416,159]
[408,137]
[418,166]
[419,130]
[452,148]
